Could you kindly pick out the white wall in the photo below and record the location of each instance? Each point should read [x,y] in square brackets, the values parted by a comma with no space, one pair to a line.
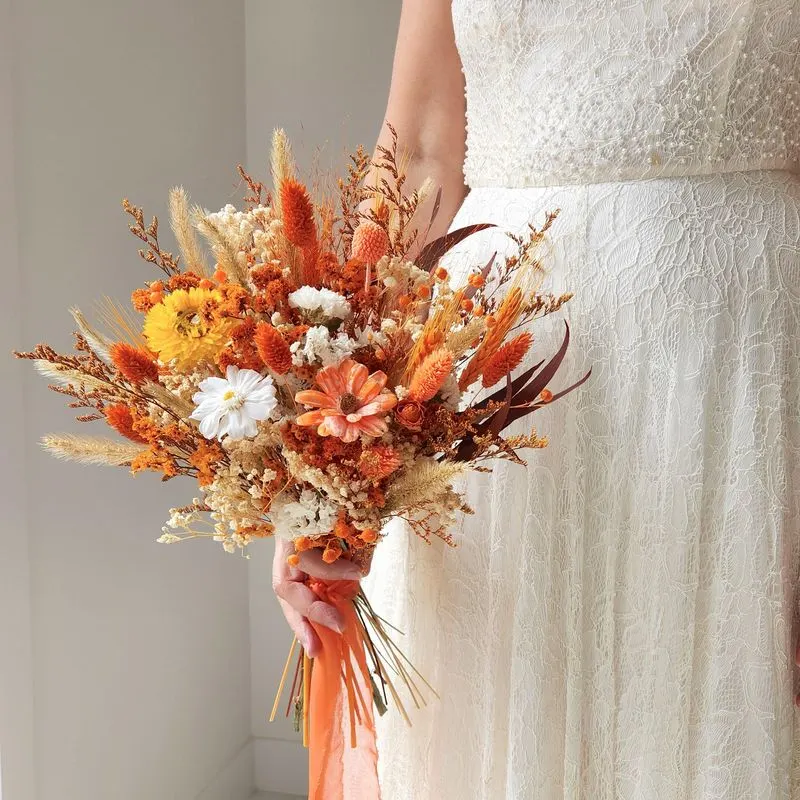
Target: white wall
[16,696]
[140,663]
[321,71]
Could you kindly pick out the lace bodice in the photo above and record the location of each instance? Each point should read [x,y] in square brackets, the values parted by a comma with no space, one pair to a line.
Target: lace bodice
[581,91]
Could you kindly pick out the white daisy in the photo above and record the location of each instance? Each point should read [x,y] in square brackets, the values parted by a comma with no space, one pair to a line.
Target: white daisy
[232,405]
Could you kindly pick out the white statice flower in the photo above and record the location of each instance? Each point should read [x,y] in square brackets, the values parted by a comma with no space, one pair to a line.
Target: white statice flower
[401,392]
[231,406]
[311,515]
[320,303]
[318,346]
[277,319]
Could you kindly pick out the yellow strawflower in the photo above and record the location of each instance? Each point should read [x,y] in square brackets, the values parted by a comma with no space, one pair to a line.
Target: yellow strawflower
[176,329]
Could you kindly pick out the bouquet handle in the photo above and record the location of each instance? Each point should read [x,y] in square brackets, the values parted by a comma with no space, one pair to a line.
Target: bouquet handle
[338,718]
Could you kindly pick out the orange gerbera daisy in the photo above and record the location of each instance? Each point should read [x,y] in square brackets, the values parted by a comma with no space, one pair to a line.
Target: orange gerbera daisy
[352,402]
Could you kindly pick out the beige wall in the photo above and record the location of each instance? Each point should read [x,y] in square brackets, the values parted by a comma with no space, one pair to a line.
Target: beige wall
[124,666]
[16,695]
[321,70]
[139,652]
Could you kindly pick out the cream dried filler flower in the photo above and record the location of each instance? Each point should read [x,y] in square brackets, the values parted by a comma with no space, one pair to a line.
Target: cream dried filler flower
[320,302]
[231,406]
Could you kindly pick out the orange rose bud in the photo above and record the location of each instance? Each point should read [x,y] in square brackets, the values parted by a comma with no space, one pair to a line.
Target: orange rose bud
[293,560]
[157,286]
[467,304]
[441,273]
[220,276]
[370,242]
[476,280]
[156,297]
[546,395]
[410,414]
[424,291]
[369,536]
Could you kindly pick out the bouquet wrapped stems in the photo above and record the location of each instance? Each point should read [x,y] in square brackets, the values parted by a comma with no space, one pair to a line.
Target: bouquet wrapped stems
[334,694]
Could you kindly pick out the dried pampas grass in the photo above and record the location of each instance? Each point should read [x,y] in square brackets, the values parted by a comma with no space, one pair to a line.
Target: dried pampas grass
[92,449]
[425,482]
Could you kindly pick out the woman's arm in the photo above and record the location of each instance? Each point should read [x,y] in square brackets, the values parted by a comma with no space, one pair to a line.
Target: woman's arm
[426,108]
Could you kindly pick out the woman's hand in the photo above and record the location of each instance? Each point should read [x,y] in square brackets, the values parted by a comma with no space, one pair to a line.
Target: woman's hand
[298,602]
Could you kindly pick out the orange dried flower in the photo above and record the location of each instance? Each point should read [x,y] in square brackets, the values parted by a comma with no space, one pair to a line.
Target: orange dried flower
[272,349]
[498,327]
[157,460]
[183,280]
[134,364]
[293,560]
[120,418]
[430,375]
[298,214]
[476,280]
[441,273]
[303,543]
[379,461]
[242,351]
[369,535]
[370,242]
[467,305]
[156,297]
[507,358]
[220,276]
[546,395]
[424,291]
[140,298]
[206,284]
[264,274]
[205,459]
[332,552]
[404,301]
[478,312]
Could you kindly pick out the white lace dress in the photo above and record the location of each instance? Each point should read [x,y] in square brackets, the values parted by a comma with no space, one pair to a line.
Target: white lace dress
[618,620]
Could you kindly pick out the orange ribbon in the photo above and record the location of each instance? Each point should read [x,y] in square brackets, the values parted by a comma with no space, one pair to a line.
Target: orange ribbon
[343,756]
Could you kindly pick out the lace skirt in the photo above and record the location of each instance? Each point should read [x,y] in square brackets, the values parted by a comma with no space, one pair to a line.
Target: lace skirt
[618,619]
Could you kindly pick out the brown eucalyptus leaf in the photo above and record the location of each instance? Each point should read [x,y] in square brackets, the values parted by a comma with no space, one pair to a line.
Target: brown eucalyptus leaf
[433,251]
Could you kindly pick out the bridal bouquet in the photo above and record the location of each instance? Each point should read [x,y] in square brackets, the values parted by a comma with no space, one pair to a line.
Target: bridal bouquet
[315,381]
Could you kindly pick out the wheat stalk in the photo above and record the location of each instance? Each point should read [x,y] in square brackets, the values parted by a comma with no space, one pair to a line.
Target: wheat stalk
[225,251]
[181,222]
[67,376]
[91,449]
[99,344]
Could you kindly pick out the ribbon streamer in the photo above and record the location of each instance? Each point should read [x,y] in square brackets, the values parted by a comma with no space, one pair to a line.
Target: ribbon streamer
[343,756]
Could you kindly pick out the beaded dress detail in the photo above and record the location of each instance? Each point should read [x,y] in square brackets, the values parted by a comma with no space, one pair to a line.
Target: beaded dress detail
[619,619]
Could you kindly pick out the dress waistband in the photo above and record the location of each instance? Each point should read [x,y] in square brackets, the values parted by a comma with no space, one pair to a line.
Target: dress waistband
[628,174]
